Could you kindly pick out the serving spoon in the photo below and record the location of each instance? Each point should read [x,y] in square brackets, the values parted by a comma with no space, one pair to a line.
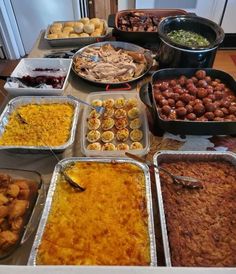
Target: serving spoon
[98,109]
[184,181]
[68,179]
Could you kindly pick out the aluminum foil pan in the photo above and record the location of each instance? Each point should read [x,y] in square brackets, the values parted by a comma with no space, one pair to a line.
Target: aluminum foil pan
[80,41]
[25,100]
[171,156]
[56,174]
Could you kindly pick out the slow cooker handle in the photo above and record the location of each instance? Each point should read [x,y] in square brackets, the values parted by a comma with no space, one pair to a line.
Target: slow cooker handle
[145,94]
[111,20]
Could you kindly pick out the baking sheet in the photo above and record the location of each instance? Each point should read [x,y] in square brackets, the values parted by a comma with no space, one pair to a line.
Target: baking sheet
[67,162]
[171,156]
[25,100]
[80,41]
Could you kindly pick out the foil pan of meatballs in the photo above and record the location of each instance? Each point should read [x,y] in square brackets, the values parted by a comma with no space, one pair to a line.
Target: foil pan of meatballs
[121,127]
[139,24]
[21,201]
[198,224]
[192,101]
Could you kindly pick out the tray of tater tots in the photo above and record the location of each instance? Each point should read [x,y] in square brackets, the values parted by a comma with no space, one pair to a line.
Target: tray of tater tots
[81,32]
[21,191]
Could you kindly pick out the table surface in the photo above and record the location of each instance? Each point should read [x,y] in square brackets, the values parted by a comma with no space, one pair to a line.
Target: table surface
[45,163]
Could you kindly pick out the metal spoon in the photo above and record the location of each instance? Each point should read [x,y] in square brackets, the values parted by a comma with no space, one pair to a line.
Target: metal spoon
[74,184]
[98,109]
[184,181]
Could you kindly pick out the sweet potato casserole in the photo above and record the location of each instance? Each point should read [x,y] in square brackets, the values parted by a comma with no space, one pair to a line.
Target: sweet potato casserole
[201,223]
[107,224]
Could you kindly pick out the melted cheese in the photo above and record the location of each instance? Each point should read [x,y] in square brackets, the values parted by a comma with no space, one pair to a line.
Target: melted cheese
[104,225]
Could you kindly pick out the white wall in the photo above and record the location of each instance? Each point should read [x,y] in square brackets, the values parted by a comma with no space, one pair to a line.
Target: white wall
[126,4]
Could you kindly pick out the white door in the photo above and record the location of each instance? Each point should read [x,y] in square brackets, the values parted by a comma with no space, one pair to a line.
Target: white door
[211,9]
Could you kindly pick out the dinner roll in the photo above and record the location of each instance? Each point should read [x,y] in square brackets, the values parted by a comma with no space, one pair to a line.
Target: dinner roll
[68,29]
[63,35]
[95,33]
[52,36]
[95,21]
[84,20]
[55,29]
[79,27]
[89,28]
[73,35]
[57,25]
[83,35]
[69,24]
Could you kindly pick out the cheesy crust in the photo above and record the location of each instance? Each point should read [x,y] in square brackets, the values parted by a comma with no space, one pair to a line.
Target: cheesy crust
[107,224]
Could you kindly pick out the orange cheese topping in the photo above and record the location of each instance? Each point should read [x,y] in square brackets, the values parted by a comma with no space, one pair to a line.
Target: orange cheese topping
[107,224]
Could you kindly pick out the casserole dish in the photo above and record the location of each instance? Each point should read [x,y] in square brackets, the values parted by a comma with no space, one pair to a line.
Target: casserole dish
[55,108]
[30,188]
[139,36]
[127,97]
[172,54]
[100,210]
[27,66]
[181,126]
[193,222]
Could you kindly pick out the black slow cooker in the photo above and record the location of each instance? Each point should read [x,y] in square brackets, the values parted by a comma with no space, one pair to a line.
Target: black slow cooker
[174,55]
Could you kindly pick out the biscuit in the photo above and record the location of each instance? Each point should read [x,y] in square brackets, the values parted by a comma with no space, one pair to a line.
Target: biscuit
[63,35]
[122,135]
[69,24]
[73,35]
[133,113]
[84,20]
[68,29]
[93,136]
[135,124]
[94,146]
[93,123]
[96,22]
[122,146]
[83,35]
[55,30]
[108,146]
[121,123]
[89,28]
[57,25]
[136,145]
[107,136]
[52,36]
[120,113]
[136,135]
[108,123]
[120,102]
